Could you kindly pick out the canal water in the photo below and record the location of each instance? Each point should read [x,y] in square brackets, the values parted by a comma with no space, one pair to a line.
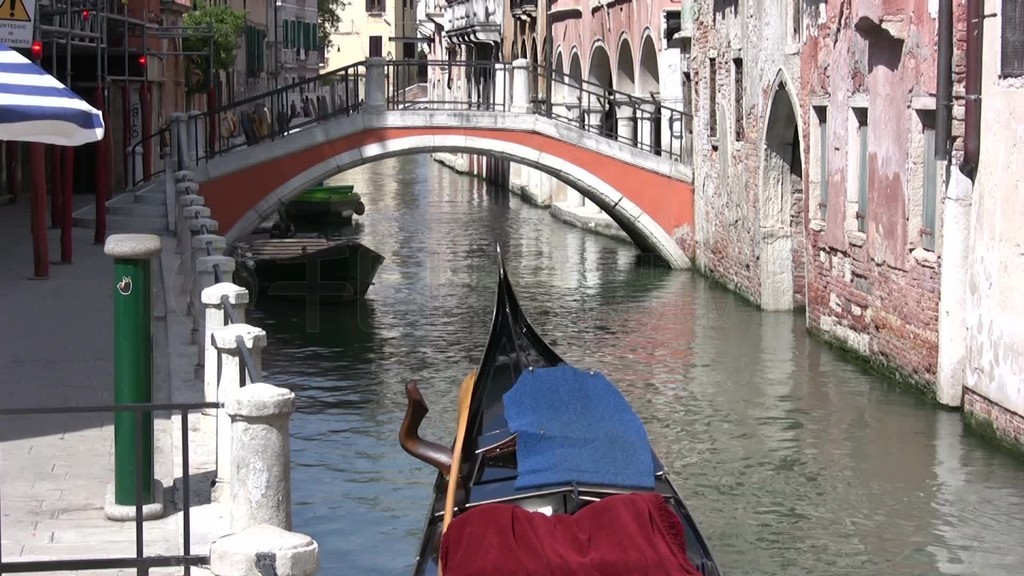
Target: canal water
[794,460]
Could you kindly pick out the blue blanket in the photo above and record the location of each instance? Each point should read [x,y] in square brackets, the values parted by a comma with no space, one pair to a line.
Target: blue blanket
[575,426]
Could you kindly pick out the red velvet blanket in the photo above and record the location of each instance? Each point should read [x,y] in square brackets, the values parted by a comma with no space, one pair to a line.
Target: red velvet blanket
[625,535]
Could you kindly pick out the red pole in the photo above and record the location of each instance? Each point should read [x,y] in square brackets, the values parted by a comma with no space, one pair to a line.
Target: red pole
[13,170]
[56,196]
[69,204]
[147,131]
[102,165]
[126,114]
[40,257]
[212,128]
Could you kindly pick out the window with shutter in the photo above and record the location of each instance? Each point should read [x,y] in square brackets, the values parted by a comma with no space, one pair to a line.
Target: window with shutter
[1012,42]
[262,46]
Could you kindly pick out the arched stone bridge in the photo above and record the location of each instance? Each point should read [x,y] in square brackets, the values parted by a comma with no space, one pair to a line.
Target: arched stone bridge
[649,195]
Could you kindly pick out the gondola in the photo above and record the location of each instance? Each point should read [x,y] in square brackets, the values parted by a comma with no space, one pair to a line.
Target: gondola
[489,467]
[336,271]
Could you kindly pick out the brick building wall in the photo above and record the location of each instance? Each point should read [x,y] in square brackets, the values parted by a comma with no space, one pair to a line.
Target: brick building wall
[873,287]
[748,151]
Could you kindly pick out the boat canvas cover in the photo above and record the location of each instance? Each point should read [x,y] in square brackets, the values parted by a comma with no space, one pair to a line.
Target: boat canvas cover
[623,535]
[574,426]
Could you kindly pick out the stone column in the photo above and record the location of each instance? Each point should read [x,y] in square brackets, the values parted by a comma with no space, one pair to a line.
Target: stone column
[216,318]
[176,145]
[376,86]
[521,86]
[170,193]
[185,201]
[188,262]
[191,139]
[188,195]
[627,121]
[956,235]
[501,88]
[262,550]
[573,199]
[261,465]
[229,383]
[204,278]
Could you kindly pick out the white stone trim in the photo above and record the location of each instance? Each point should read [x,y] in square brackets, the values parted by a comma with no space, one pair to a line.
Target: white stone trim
[593,188]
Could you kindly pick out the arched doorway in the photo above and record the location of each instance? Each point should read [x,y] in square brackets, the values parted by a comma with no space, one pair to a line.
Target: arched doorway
[649,88]
[625,84]
[558,87]
[781,219]
[573,89]
[598,101]
[534,76]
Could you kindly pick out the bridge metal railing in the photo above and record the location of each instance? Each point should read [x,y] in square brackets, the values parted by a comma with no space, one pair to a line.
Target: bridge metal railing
[644,123]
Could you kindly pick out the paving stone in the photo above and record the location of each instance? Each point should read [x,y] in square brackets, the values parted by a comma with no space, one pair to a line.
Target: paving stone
[55,470]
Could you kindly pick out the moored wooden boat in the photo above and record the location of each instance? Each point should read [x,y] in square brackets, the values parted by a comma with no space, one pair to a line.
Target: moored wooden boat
[335,271]
[326,204]
[494,462]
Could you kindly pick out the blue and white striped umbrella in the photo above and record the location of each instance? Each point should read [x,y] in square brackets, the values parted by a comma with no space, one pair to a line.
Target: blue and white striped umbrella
[35,107]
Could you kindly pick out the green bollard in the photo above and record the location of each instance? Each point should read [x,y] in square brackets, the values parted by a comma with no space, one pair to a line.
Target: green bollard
[133,362]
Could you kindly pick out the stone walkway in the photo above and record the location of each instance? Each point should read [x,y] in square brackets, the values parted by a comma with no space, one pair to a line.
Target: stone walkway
[55,471]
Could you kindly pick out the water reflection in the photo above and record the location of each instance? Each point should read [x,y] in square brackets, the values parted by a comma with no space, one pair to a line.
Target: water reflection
[794,461]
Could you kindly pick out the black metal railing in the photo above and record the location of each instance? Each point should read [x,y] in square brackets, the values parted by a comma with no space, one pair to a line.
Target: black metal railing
[141,563]
[248,363]
[644,123]
[158,142]
[464,85]
[275,114]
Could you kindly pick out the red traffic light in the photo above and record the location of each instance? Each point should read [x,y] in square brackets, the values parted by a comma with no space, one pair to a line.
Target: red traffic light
[37,50]
[85,15]
[142,60]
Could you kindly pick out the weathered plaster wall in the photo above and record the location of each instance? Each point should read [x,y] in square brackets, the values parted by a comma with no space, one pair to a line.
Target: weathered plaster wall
[732,169]
[995,300]
[874,292]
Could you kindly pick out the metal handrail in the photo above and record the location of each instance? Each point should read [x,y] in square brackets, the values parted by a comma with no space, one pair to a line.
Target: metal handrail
[156,137]
[248,364]
[140,562]
[276,113]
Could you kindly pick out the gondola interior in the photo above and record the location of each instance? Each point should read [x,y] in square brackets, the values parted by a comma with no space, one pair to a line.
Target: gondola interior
[574,444]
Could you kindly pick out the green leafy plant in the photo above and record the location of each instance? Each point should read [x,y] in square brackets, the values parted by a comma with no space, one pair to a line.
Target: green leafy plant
[328,19]
[220,25]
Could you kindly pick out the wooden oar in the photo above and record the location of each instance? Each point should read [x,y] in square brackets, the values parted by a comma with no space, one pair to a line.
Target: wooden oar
[465,395]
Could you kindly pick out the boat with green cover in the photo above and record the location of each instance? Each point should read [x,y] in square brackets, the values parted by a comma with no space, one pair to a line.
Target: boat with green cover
[326,204]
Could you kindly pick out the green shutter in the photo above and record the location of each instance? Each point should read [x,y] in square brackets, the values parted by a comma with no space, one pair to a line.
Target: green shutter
[263,50]
[248,50]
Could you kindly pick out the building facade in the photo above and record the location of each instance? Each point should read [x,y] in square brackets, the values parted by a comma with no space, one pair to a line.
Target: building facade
[984,350]
[365,31]
[740,59]
[299,55]
[874,184]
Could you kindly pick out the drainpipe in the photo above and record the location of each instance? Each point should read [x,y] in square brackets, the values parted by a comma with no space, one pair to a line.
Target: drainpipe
[944,76]
[952,368]
[972,89]
[549,56]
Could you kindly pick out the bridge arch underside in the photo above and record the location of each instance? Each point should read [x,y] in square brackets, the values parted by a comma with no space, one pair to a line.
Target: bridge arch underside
[645,204]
